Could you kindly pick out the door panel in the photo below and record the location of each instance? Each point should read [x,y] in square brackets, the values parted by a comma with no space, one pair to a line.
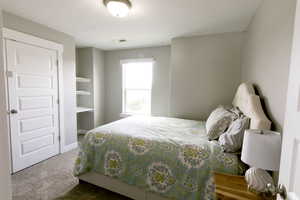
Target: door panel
[29,81]
[24,54]
[26,125]
[289,174]
[36,144]
[33,93]
[31,103]
[295,179]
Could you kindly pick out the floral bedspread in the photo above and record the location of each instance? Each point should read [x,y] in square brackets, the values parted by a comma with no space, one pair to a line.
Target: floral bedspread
[168,156]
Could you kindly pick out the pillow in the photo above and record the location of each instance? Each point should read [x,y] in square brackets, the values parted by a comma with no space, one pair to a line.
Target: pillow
[218,121]
[237,111]
[232,140]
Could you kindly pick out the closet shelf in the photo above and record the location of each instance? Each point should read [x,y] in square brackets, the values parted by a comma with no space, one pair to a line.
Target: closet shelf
[83,80]
[82,92]
[84,109]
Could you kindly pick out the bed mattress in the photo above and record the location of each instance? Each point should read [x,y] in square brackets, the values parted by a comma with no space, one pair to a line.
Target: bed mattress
[168,156]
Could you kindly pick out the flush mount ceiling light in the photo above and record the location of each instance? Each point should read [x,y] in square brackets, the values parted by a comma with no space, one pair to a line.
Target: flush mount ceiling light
[118,8]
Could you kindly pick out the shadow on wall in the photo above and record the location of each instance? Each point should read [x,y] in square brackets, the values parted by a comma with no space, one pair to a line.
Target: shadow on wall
[265,104]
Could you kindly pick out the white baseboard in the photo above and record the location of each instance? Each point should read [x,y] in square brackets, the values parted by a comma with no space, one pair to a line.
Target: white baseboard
[69,147]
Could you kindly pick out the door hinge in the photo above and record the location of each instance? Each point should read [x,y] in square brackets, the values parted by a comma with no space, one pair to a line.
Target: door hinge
[57,63]
[59,138]
[57,101]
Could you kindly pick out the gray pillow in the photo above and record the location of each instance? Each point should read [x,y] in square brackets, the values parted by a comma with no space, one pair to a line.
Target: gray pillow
[232,140]
[218,121]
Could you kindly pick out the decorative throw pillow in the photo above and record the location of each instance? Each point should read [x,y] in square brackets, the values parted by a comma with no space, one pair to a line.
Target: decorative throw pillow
[218,121]
[232,140]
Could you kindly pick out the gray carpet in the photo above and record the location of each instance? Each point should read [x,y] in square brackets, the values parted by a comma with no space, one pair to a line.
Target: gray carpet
[53,179]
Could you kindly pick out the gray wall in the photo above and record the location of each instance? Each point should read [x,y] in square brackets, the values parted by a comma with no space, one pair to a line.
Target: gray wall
[205,73]
[29,27]
[5,182]
[113,80]
[99,89]
[267,55]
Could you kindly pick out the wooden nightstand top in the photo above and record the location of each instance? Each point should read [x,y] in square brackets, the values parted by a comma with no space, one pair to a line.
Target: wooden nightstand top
[233,187]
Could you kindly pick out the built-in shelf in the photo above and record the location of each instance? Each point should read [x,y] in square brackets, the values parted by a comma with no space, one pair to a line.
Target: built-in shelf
[82,132]
[82,92]
[82,80]
[84,109]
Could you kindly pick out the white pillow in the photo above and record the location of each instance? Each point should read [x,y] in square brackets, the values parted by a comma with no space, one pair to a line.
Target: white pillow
[232,140]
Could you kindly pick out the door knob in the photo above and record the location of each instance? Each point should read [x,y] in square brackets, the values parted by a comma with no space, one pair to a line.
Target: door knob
[13,111]
[274,190]
[282,191]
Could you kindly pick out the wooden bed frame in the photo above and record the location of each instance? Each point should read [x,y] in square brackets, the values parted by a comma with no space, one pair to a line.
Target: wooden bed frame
[245,99]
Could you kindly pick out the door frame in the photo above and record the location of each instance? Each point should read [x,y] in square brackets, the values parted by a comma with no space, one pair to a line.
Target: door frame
[9,34]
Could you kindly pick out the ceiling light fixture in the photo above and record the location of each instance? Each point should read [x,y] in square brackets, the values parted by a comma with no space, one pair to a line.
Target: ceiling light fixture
[118,8]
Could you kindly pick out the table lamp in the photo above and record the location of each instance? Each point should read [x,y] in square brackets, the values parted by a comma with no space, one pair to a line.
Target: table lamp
[261,151]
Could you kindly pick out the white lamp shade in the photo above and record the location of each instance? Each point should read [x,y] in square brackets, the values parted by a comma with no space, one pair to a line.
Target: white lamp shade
[262,150]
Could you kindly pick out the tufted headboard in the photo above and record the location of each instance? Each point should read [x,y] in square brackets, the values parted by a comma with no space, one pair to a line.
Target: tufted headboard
[249,103]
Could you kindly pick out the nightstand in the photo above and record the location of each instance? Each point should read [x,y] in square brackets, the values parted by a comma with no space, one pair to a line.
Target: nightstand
[230,187]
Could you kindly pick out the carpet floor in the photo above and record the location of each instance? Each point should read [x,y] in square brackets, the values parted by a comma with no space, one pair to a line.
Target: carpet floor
[53,180]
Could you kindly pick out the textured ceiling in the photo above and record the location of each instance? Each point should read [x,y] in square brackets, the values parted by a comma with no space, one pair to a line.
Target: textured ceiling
[150,22]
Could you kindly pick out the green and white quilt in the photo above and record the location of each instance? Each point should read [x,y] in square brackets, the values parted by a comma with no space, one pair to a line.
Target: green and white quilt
[168,156]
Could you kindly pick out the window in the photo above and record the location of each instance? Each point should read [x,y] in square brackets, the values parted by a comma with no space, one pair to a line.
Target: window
[137,86]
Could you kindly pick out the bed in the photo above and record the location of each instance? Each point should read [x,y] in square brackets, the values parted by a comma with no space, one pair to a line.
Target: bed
[162,158]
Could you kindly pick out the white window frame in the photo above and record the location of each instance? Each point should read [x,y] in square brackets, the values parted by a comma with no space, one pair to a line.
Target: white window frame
[122,62]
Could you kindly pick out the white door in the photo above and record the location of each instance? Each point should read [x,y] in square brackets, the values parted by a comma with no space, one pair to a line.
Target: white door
[289,174]
[32,74]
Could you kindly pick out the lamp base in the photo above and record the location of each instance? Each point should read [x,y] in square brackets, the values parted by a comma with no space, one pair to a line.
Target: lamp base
[258,179]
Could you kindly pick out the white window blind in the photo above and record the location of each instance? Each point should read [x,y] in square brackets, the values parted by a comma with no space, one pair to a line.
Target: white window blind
[137,86]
